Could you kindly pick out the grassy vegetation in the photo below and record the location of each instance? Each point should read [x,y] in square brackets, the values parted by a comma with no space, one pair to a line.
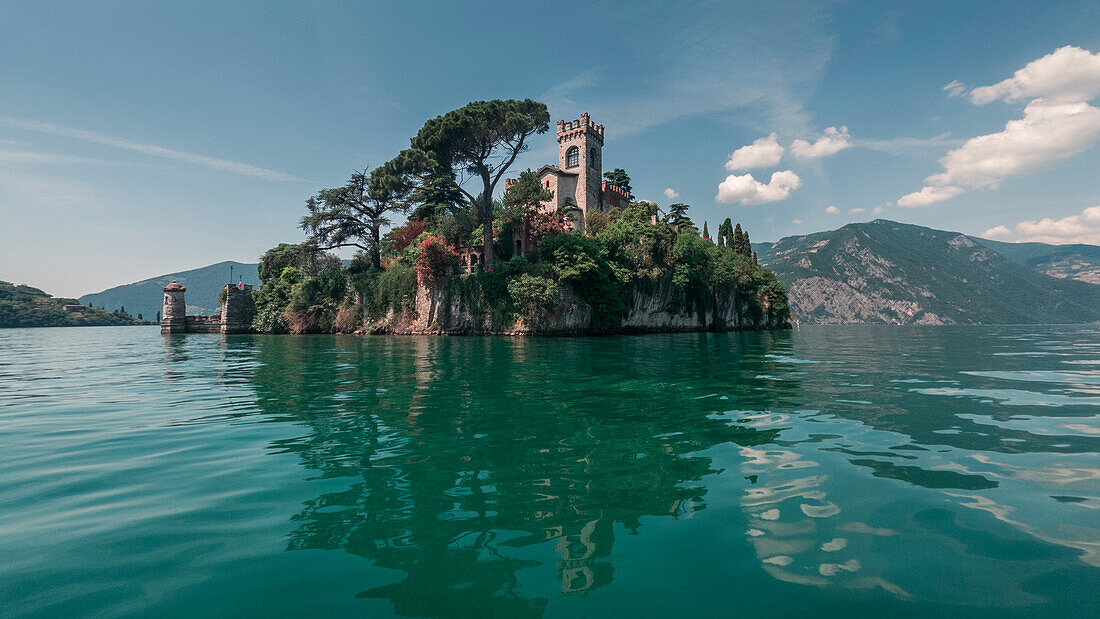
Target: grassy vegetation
[24,306]
[630,252]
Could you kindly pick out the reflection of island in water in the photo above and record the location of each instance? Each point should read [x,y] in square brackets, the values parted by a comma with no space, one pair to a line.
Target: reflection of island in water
[465,452]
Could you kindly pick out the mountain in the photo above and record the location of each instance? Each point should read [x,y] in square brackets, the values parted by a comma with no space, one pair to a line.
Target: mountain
[23,306]
[1080,262]
[888,272]
[203,286]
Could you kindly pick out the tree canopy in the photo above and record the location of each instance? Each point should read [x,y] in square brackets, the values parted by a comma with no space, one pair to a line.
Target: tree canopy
[525,194]
[741,244]
[353,215]
[481,141]
[619,178]
[677,215]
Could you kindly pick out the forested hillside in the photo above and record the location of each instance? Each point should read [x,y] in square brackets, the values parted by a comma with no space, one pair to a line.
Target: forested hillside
[24,306]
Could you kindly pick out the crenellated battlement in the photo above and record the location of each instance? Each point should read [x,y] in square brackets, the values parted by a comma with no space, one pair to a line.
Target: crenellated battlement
[569,129]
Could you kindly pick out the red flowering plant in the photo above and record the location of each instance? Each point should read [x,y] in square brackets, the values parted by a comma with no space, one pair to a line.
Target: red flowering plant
[436,256]
[544,223]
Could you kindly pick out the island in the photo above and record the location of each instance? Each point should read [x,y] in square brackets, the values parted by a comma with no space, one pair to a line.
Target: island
[566,250]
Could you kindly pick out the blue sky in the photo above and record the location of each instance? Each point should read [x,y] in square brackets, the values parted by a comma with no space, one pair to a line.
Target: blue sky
[142,138]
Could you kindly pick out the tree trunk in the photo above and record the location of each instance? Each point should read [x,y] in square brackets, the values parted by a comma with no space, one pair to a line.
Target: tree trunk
[488,254]
[376,249]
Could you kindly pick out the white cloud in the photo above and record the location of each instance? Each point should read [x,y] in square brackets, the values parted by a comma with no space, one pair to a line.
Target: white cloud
[670,193]
[1047,133]
[832,210]
[796,221]
[857,210]
[225,165]
[762,153]
[878,210]
[1067,74]
[1083,228]
[1058,123]
[832,142]
[747,190]
[929,195]
[955,88]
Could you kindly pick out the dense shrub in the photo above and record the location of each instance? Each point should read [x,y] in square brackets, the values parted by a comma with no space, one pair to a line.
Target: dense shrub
[532,294]
[582,262]
[272,300]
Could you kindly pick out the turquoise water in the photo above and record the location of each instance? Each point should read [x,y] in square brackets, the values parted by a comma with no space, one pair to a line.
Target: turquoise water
[828,471]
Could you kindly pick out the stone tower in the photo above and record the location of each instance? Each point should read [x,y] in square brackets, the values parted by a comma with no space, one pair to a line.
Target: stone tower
[174,317]
[237,310]
[580,151]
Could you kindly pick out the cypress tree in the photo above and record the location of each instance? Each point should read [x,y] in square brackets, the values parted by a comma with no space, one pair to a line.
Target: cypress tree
[725,233]
[738,240]
[706,233]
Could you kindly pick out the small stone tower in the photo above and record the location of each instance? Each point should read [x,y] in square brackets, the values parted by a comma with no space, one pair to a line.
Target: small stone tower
[580,151]
[174,316]
[237,310]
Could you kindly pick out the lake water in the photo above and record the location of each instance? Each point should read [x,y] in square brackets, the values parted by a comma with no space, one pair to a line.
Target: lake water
[869,471]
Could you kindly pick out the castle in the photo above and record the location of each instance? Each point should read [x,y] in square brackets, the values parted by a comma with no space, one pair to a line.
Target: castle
[576,182]
[235,315]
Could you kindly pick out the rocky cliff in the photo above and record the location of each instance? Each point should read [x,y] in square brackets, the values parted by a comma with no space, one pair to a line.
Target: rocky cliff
[651,310]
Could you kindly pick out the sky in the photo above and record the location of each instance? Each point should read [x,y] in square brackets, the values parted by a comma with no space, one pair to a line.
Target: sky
[141,138]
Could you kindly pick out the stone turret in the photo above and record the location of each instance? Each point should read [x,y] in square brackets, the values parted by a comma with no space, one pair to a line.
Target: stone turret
[174,315]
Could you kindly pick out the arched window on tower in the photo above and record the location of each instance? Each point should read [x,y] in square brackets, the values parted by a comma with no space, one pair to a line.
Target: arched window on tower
[592,161]
[572,157]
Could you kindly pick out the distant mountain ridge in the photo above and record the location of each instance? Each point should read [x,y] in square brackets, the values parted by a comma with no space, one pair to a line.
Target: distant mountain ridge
[888,272]
[1077,261]
[203,285]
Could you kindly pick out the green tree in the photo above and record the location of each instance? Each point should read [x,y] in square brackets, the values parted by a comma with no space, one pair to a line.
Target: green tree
[353,215]
[677,214]
[526,194]
[284,255]
[481,141]
[431,190]
[619,178]
[741,242]
[725,233]
[706,233]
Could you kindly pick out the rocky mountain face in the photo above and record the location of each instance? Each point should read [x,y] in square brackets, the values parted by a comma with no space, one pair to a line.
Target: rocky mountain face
[888,272]
[1080,262]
